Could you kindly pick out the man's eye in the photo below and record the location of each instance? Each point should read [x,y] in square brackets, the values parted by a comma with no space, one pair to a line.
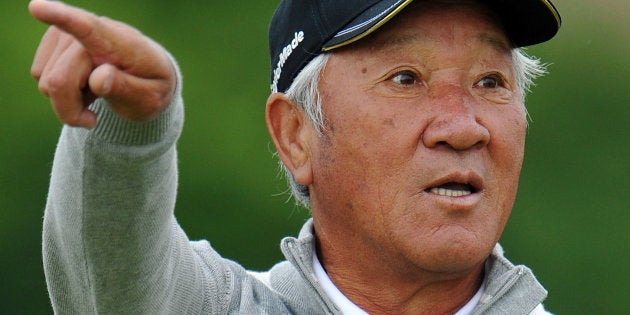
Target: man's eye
[490,82]
[405,78]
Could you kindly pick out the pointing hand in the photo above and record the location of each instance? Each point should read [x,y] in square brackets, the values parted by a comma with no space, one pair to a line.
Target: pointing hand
[83,56]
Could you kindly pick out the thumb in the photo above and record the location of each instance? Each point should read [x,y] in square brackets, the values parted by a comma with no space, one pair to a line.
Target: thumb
[101,80]
[133,98]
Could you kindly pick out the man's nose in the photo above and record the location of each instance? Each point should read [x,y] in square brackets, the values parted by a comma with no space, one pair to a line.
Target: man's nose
[456,121]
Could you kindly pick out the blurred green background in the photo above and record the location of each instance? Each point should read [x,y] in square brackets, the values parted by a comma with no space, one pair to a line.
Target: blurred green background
[570,222]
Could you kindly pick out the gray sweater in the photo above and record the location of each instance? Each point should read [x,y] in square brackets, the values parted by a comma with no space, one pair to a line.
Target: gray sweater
[111,243]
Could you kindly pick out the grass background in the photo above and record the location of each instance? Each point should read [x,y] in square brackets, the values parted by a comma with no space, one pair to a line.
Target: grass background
[570,222]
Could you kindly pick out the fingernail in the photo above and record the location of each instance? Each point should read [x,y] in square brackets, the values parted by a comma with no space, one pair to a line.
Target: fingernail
[109,81]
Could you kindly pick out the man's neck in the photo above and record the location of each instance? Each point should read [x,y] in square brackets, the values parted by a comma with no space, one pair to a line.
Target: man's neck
[381,290]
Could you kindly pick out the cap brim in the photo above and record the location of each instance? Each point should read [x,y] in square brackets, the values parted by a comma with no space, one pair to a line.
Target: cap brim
[526,22]
[366,23]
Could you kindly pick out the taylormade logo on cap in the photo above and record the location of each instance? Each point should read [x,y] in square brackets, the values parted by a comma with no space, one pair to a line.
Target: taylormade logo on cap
[298,37]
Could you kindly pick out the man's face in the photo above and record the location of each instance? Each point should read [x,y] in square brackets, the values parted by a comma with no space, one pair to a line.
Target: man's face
[425,129]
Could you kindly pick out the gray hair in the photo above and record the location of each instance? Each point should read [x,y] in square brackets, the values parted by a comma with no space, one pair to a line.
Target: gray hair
[305,94]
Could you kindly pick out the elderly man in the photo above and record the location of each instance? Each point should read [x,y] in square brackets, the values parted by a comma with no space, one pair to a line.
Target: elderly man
[401,124]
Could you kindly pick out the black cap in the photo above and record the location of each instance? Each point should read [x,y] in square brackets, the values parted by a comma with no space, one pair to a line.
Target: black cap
[303,29]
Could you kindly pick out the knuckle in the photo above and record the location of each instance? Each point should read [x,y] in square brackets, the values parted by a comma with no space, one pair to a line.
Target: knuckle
[54,83]
[104,20]
[36,73]
[62,78]
[51,83]
[43,88]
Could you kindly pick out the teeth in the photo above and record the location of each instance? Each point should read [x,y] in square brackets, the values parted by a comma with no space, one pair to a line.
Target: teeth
[450,192]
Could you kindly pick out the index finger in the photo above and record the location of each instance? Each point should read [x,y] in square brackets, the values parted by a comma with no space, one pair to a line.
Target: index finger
[83,25]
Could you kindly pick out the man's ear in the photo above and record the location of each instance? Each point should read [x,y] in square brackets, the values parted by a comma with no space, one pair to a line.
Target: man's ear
[291,132]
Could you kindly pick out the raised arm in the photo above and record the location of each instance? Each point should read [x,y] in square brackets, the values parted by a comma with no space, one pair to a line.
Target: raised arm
[111,243]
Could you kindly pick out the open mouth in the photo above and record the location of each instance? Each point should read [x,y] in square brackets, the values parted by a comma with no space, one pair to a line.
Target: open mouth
[453,189]
[457,184]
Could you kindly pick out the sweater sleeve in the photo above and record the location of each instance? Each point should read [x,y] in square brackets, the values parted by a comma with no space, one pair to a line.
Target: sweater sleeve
[111,243]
